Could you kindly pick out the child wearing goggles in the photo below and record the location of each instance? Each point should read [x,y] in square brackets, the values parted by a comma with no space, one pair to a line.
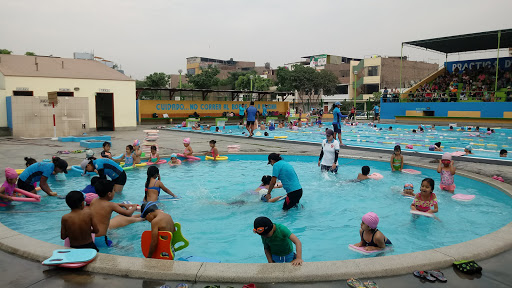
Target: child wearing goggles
[408,190]
[447,170]
[278,242]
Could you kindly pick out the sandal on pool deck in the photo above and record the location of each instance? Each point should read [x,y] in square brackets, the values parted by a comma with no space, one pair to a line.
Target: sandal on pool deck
[423,274]
[437,274]
[468,266]
[355,283]
[370,284]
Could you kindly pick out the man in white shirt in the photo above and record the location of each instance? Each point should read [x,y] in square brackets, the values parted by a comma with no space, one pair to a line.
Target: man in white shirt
[328,160]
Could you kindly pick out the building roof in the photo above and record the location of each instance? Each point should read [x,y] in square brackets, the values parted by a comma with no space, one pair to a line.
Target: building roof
[51,67]
[467,42]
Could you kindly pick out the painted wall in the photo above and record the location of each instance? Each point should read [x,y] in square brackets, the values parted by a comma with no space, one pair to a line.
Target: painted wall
[124,96]
[33,116]
[205,108]
[487,109]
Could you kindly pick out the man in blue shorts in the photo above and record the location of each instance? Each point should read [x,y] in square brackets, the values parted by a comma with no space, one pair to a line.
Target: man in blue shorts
[336,122]
[283,171]
[251,118]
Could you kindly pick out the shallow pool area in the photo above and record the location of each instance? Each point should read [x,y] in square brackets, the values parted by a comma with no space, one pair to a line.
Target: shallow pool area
[362,135]
[328,221]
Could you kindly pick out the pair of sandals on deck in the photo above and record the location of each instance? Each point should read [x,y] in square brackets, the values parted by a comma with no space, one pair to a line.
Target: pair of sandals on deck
[356,283]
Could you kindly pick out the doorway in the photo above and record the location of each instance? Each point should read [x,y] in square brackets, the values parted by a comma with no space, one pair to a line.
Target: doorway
[105,112]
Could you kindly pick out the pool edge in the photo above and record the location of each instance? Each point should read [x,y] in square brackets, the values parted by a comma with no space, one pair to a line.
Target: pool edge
[480,248]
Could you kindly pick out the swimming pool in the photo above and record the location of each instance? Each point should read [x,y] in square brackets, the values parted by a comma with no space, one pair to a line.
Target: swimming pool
[328,222]
[362,135]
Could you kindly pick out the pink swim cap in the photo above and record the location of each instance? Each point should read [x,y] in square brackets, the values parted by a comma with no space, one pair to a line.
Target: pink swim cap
[371,219]
[136,142]
[447,156]
[10,173]
[186,141]
[89,197]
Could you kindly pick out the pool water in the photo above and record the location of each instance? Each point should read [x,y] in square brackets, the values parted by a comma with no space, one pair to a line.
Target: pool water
[328,221]
[484,145]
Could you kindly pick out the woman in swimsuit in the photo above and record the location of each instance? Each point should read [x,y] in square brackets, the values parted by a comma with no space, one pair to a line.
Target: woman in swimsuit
[373,239]
[153,185]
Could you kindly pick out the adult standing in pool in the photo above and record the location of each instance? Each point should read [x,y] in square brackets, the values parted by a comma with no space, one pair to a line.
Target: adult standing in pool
[328,160]
[251,118]
[283,171]
[336,121]
[106,167]
[40,172]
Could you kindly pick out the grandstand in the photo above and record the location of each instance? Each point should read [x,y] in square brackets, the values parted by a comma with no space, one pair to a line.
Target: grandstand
[473,92]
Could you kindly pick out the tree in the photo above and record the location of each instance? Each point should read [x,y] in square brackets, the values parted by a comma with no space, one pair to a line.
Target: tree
[258,83]
[140,84]
[232,78]
[309,83]
[206,79]
[5,51]
[28,53]
[157,80]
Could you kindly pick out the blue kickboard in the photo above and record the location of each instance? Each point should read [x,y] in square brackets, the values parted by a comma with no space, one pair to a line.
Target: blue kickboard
[198,259]
[64,256]
[167,197]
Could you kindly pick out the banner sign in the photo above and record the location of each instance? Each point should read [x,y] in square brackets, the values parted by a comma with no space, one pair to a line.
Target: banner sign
[504,64]
[205,107]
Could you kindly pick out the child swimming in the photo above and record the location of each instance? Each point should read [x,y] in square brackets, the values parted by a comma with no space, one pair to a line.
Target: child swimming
[128,156]
[155,157]
[138,152]
[102,208]
[447,170]
[90,188]
[374,239]
[7,189]
[408,190]
[153,185]
[468,149]
[437,147]
[278,242]
[174,160]
[365,170]
[426,200]
[106,150]
[188,149]
[78,224]
[160,221]
[214,151]
[503,153]
[397,159]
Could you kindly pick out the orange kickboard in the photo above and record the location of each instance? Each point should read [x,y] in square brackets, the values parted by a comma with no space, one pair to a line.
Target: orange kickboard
[163,249]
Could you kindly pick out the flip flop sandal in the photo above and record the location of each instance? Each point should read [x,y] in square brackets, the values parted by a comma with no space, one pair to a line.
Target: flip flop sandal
[438,274]
[182,285]
[423,274]
[370,284]
[355,283]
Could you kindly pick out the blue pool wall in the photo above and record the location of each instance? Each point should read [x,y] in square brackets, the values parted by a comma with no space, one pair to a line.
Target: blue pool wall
[487,109]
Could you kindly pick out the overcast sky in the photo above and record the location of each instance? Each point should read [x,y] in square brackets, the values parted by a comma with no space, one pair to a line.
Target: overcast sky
[157,35]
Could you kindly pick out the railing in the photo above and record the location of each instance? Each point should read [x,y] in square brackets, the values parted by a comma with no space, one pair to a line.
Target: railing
[448,96]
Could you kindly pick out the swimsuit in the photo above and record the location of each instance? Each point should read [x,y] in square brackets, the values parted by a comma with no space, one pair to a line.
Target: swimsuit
[90,245]
[397,163]
[102,241]
[153,158]
[422,205]
[373,244]
[9,190]
[213,152]
[152,188]
[128,160]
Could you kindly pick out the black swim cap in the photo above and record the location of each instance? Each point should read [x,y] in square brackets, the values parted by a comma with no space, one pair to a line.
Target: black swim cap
[147,208]
[265,223]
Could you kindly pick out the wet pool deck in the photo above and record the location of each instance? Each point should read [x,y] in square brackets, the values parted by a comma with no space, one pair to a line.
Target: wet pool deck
[495,273]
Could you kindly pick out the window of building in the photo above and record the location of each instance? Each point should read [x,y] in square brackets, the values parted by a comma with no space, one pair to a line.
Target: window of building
[65,94]
[191,71]
[342,89]
[370,88]
[373,71]
[23,93]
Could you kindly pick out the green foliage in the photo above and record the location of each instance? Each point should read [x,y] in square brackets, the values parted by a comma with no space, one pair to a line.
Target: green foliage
[233,77]
[5,51]
[28,53]
[258,83]
[157,80]
[140,84]
[186,86]
[206,79]
[326,81]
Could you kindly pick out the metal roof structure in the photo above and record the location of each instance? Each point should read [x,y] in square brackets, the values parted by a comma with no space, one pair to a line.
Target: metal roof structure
[467,42]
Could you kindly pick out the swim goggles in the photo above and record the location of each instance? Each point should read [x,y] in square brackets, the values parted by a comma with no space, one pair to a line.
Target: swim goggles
[408,186]
[446,161]
[259,230]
